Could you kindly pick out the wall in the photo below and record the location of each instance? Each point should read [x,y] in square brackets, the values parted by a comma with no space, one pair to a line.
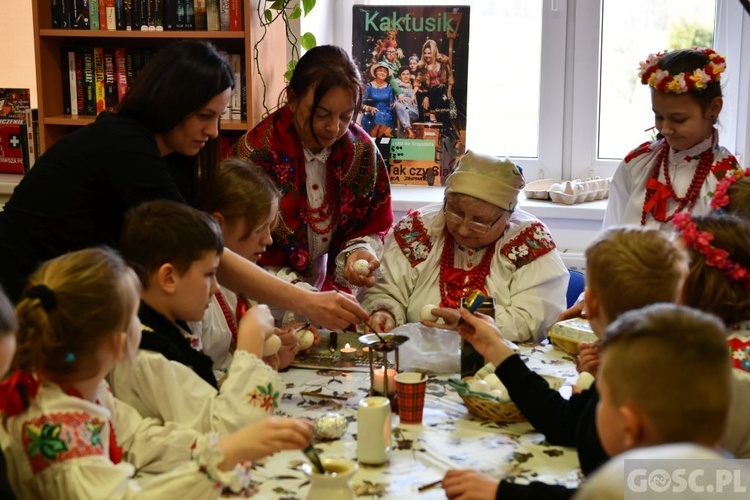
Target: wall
[17,40]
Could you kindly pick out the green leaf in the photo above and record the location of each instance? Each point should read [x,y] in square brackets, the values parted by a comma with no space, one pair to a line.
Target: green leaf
[296,12]
[308,41]
[279,4]
[290,66]
[268,15]
[308,5]
[288,75]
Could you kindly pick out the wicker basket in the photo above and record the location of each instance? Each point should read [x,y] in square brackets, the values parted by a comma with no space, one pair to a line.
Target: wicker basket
[485,406]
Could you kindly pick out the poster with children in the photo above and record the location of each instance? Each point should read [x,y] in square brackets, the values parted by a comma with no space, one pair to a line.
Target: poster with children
[415,61]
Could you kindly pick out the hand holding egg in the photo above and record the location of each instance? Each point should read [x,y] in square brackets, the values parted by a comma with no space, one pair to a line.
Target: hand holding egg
[271,346]
[362,267]
[425,314]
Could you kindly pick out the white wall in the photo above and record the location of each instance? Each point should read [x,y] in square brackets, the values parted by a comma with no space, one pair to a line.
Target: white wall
[17,42]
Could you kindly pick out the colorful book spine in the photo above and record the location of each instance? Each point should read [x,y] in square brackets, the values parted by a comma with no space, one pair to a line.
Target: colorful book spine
[224,15]
[212,15]
[94,14]
[99,78]
[110,15]
[110,80]
[89,83]
[235,15]
[80,84]
[121,72]
[199,11]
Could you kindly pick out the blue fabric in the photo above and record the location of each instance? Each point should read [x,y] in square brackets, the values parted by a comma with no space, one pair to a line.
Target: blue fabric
[576,284]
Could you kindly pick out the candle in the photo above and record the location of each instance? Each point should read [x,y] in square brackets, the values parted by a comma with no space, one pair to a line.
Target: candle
[348,352]
[380,376]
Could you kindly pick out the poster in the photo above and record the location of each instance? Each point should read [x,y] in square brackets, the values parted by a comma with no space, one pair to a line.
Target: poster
[415,63]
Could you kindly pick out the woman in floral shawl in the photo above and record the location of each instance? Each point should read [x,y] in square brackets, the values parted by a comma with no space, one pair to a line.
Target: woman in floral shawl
[336,202]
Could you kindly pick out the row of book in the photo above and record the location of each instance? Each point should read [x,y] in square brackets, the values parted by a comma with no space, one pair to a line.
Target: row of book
[95,79]
[148,15]
[19,131]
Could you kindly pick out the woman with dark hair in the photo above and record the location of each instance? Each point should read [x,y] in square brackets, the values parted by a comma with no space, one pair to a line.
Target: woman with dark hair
[161,143]
[336,202]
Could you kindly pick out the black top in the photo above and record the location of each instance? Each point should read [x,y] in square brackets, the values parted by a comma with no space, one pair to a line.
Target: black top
[78,192]
[163,336]
[564,422]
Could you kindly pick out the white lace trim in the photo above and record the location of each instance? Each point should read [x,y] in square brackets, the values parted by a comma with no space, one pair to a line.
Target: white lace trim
[207,455]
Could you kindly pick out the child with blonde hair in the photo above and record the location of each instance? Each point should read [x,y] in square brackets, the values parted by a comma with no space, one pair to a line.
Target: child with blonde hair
[719,283]
[626,268]
[70,438]
[676,172]
[175,250]
[665,379]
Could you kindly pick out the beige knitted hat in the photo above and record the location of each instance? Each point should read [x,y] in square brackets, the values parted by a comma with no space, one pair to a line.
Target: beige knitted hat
[488,178]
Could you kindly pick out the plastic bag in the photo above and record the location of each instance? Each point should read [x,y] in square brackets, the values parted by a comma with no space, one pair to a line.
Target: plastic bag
[430,350]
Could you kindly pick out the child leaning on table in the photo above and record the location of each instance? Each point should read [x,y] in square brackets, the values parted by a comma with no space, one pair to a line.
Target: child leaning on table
[627,268]
[665,379]
[719,283]
[245,203]
[175,250]
[68,436]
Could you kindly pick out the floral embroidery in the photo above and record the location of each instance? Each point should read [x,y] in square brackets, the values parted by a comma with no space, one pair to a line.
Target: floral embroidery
[640,150]
[739,349]
[530,244]
[266,397]
[411,236]
[57,437]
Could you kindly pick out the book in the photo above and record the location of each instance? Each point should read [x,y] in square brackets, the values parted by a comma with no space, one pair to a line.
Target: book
[99,79]
[110,81]
[236,100]
[70,99]
[189,15]
[110,15]
[32,137]
[158,15]
[212,15]
[170,15]
[235,15]
[121,72]
[80,14]
[147,15]
[120,15]
[94,14]
[224,15]
[102,14]
[199,11]
[128,7]
[89,84]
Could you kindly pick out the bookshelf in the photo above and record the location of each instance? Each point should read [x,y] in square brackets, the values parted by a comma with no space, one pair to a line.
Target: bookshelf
[53,124]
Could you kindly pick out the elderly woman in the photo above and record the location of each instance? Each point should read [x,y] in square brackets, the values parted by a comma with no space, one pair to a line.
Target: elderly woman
[475,239]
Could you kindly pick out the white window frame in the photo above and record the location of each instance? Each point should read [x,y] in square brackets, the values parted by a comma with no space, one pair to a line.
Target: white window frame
[568,120]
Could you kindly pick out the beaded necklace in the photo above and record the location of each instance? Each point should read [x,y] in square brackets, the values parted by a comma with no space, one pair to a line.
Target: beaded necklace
[457,283]
[658,193]
[323,212]
[242,307]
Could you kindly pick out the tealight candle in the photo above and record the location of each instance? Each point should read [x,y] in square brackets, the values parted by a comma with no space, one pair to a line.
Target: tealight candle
[348,352]
[379,380]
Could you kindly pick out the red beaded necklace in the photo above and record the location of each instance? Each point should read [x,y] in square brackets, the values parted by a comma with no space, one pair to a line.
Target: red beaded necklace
[242,307]
[658,194]
[315,215]
[457,283]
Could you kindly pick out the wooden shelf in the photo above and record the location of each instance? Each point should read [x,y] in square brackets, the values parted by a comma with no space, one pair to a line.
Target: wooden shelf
[48,43]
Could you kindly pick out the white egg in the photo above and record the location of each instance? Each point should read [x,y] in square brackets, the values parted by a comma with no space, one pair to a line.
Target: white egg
[585,379]
[362,267]
[425,314]
[499,394]
[495,382]
[305,339]
[557,188]
[478,385]
[271,346]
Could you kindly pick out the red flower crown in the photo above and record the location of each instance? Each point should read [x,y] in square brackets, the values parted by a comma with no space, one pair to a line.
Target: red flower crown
[720,198]
[686,81]
[715,257]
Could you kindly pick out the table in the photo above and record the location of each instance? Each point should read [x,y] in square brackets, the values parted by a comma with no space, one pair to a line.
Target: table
[449,437]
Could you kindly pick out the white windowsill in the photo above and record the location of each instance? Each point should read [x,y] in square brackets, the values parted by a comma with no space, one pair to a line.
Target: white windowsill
[412,197]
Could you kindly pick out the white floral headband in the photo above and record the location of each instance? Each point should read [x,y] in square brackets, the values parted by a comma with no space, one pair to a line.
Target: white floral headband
[681,83]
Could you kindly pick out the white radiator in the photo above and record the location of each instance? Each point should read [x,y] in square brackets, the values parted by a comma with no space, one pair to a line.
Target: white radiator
[574,260]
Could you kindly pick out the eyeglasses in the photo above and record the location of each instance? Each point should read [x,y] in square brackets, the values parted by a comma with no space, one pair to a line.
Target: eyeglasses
[477,227]
[390,51]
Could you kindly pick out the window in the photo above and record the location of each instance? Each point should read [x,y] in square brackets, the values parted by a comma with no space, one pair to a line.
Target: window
[553,83]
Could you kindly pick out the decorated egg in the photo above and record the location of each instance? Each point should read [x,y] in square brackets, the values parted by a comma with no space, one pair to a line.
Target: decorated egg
[305,338]
[362,267]
[425,314]
[271,346]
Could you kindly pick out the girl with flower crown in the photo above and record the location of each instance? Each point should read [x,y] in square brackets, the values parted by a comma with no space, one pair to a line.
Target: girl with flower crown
[676,172]
[335,191]
[719,283]
[68,436]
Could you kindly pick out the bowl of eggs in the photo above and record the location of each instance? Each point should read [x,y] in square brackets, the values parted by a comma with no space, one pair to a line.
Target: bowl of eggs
[486,397]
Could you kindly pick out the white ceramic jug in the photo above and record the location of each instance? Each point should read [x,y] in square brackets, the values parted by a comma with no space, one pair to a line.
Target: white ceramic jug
[334,484]
[374,430]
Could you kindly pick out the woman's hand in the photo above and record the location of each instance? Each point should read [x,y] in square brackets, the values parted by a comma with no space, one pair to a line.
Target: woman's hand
[469,485]
[577,310]
[426,103]
[382,320]
[255,327]
[482,332]
[450,318]
[352,276]
[264,438]
[334,310]
[588,357]
[289,347]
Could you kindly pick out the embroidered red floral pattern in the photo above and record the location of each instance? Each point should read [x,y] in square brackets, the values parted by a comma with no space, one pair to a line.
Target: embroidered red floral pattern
[57,437]
[412,238]
[529,245]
